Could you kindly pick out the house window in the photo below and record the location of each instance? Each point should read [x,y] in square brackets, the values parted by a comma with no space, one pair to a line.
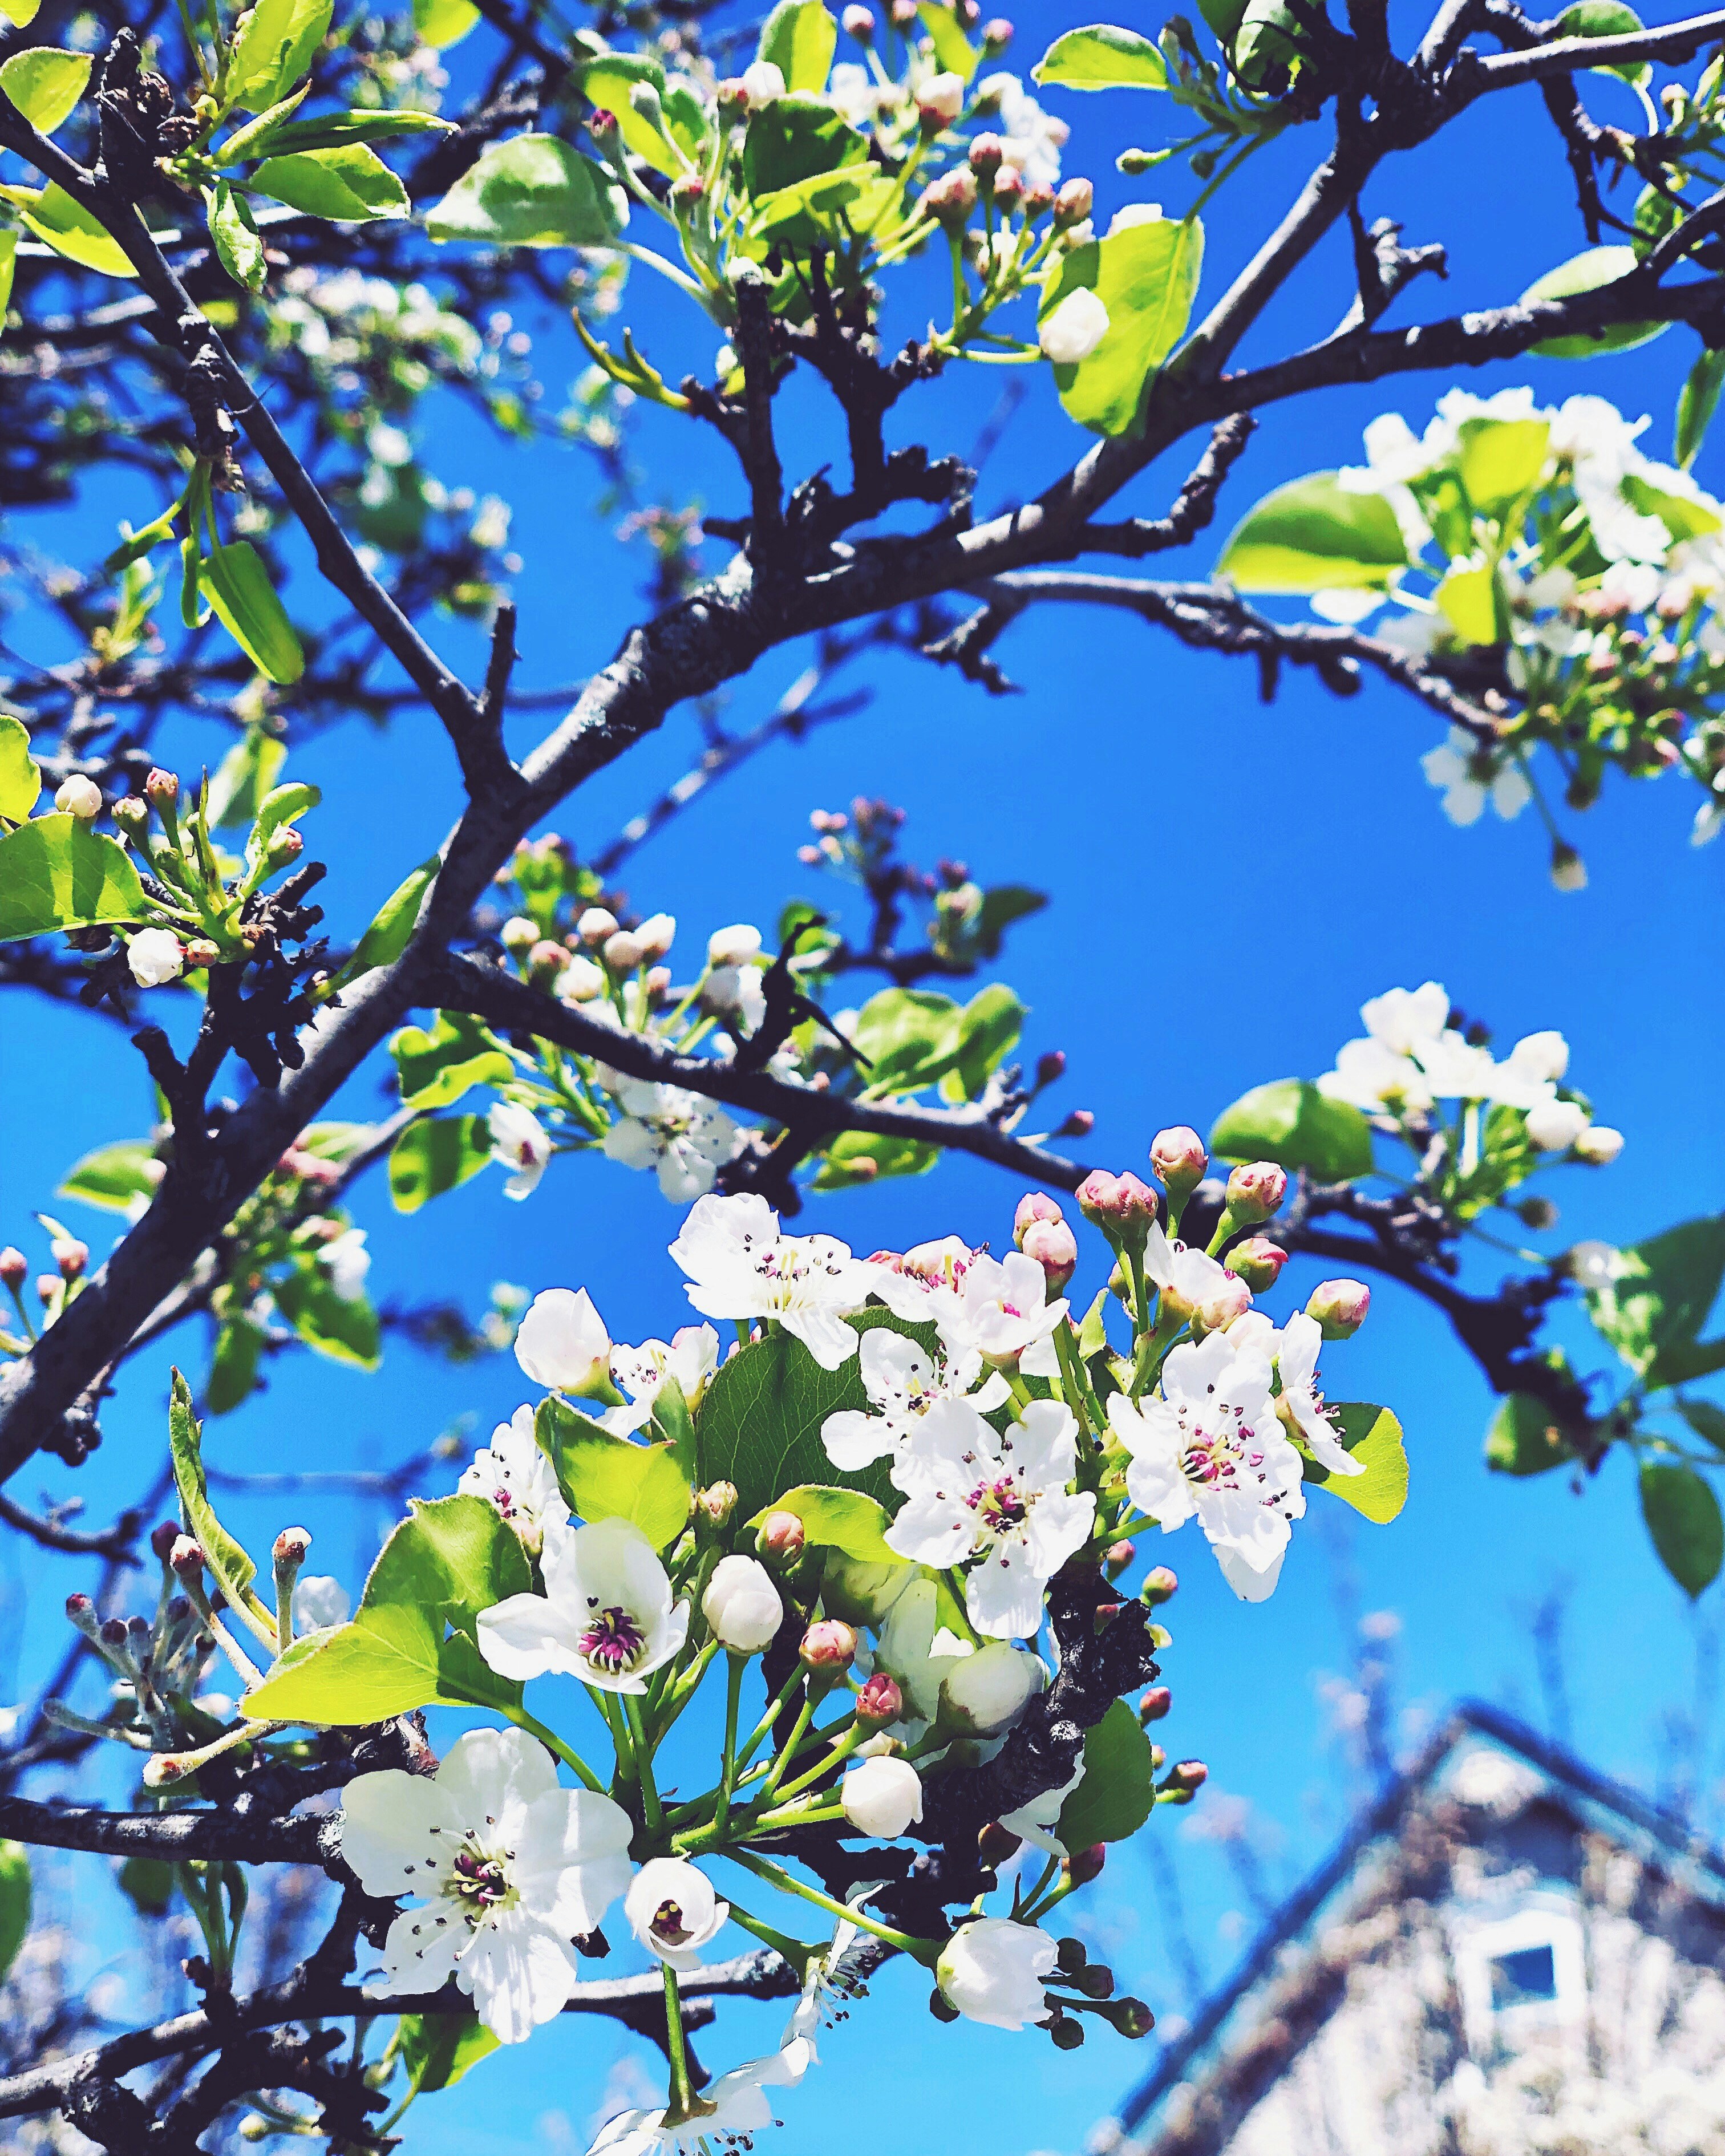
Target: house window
[1524,1978]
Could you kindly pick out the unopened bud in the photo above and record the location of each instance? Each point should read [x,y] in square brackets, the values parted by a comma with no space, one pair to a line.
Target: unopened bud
[71,1256]
[112,1633]
[1009,189]
[1569,871]
[81,1609]
[547,958]
[779,1538]
[160,1768]
[161,789]
[997,34]
[595,925]
[1074,203]
[291,1545]
[731,98]
[1179,1158]
[644,101]
[1050,1066]
[987,153]
[518,934]
[1190,1774]
[1084,1865]
[1033,1206]
[828,1646]
[14,1267]
[1159,1585]
[602,125]
[858,24]
[131,816]
[997,1844]
[949,200]
[1598,1145]
[1120,1205]
[163,1537]
[622,951]
[1054,1246]
[903,14]
[48,1288]
[1131,2017]
[1154,1704]
[940,101]
[1340,1307]
[656,934]
[1079,1124]
[1068,2034]
[880,1700]
[201,951]
[79,797]
[1117,1556]
[187,1558]
[1255,1190]
[287,845]
[764,82]
[1257,1261]
[718,1501]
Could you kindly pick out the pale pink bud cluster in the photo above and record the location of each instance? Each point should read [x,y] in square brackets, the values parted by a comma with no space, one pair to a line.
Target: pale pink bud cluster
[1121,1206]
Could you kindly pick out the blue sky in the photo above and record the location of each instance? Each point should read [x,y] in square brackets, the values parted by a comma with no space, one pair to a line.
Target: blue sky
[1229,883]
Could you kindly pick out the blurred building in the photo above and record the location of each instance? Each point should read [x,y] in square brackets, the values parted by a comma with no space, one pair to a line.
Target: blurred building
[1508,1956]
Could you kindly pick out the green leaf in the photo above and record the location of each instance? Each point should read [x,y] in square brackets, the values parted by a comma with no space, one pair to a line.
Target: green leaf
[1467,599]
[437,1068]
[229,1566]
[148,1884]
[1374,1437]
[1696,402]
[464,1677]
[1309,536]
[799,38]
[1146,274]
[247,607]
[244,777]
[1588,272]
[1002,906]
[247,140]
[1523,1439]
[268,135]
[844,1519]
[45,85]
[21,12]
[57,873]
[1682,516]
[1706,1420]
[675,1428]
[1604,18]
[1267,35]
[1501,460]
[953,52]
[1684,1361]
[115,1177]
[233,1366]
[347,185]
[240,247]
[914,1039]
[278,44]
[1100,56]
[1118,1793]
[384,1663]
[857,1156]
[392,929]
[794,138]
[14,1901]
[280,806]
[20,776]
[1682,1516]
[988,1029]
[607,81]
[829,207]
[611,1478]
[760,1423]
[443,24]
[1660,1296]
[345,1331]
[436,2050]
[77,233]
[1291,1123]
[532,191]
[8,264]
[437,1155]
[451,1553]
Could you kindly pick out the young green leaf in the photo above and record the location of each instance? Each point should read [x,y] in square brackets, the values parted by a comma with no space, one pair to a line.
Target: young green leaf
[1589,271]
[844,1519]
[1100,56]
[276,46]
[1654,1305]
[439,1154]
[436,2050]
[532,191]
[1117,1794]
[1706,1420]
[953,52]
[239,247]
[1145,271]
[347,186]
[248,141]
[389,933]
[273,134]
[77,233]
[794,138]
[1697,403]
[243,778]
[344,1328]
[799,38]
[607,1478]
[281,806]
[1604,18]
[247,606]
[1309,536]
[1523,1439]
[856,1156]
[233,1366]
[1291,1123]
[230,1567]
[45,85]
[435,1069]
[115,1177]
[14,1901]
[1468,599]
[1682,1516]
[8,264]
[1374,1437]
[1502,459]
[442,23]
[20,777]
[57,873]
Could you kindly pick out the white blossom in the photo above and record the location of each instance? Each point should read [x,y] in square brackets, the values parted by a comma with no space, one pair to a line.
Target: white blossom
[943,95]
[1000,1314]
[673,1910]
[690,1356]
[1191,1282]
[1034,138]
[993,1970]
[512,1868]
[1207,1446]
[1554,1126]
[882,1797]
[1075,328]
[1295,1351]
[742,1605]
[606,1615]
[1469,777]
[679,1135]
[1035,1821]
[741,1266]
[562,1342]
[902,1383]
[734,946]
[155,956]
[513,1476]
[520,1141]
[346,1261]
[983,1694]
[1002,1500]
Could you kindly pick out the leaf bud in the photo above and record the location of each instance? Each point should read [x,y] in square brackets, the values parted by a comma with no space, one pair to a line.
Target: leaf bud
[1154,1704]
[1179,1158]
[828,1645]
[1340,1307]
[71,1256]
[1053,1245]
[1159,1585]
[718,1501]
[1257,1261]
[79,797]
[1074,203]
[880,1700]
[595,925]
[779,1539]
[14,1267]
[161,789]
[1084,1865]
[1255,1190]
[858,24]
[1120,1205]
[1117,1556]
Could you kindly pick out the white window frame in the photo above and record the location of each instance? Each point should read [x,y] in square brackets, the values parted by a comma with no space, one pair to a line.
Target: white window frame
[1542,1921]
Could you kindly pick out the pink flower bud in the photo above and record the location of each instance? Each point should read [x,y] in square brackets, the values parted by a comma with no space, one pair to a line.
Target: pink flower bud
[161,787]
[1084,1865]
[1079,1124]
[780,1538]
[950,199]
[1219,1309]
[987,152]
[718,1501]
[940,101]
[1034,1205]
[1255,1191]
[828,1646]
[997,34]
[1117,1556]
[113,1632]
[997,1844]
[1159,1586]
[1050,1066]
[14,1267]
[187,1558]
[1009,188]
[602,125]
[1071,206]
[1036,202]
[547,958]
[1340,1307]
[163,1537]
[1054,1248]
[595,925]
[903,14]
[48,1288]
[1154,1704]
[1258,1261]
[1191,1774]
[1179,1158]
[1120,1205]
[880,1700]
[858,24]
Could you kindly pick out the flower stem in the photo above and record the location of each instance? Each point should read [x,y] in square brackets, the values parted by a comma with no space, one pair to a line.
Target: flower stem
[923,1950]
[775,1705]
[789,1751]
[682,2095]
[643,1763]
[727,1778]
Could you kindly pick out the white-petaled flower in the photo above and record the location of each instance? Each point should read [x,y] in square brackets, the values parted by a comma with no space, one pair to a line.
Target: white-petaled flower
[1034,138]
[320,1603]
[1540,1057]
[511,1867]
[916,1650]
[1002,1316]
[155,956]
[1554,1126]
[346,1261]
[606,1615]
[1035,1822]
[994,1970]
[740,1266]
[673,1910]
[562,1342]
[927,1281]
[763,81]
[1404,1020]
[1208,1446]
[742,1605]
[734,946]
[1468,777]
[983,1694]
[520,1141]
[580,981]
[1075,328]
[515,1477]
[1000,1499]
[943,95]
[690,1356]
[735,994]
[882,1797]
[855,94]
[681,1136]
[1192,1284]
[903,1384]
[1300,1404]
